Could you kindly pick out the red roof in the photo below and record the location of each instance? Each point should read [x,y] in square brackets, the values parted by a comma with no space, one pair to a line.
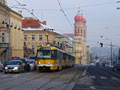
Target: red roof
[32,23]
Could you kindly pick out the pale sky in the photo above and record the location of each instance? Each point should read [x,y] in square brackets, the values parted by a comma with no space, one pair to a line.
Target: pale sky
[102,17]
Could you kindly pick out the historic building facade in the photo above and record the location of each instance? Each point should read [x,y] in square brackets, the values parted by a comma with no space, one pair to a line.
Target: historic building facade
[11,33]
[36,37]
[80,39]
[37,34]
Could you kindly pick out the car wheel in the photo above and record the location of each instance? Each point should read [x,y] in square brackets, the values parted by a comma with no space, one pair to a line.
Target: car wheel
[5,72]
[23,70]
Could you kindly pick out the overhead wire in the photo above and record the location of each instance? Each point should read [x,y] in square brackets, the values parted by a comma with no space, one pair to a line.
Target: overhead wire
[26,10]
[62,10]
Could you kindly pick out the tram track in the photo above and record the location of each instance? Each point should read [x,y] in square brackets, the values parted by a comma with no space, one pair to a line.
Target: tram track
[52,79]
[75,77]
[38,77]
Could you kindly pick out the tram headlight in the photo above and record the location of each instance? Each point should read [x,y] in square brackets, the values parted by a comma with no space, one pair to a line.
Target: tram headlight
[48,62]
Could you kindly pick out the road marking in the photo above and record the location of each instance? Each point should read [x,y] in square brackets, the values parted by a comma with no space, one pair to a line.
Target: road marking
[84,73]
[114,78]
[93,77]
[15,76]
[102,77]
[91,87]
[4,75]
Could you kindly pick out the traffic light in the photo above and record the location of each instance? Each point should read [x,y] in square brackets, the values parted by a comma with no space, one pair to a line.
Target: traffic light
[101,44]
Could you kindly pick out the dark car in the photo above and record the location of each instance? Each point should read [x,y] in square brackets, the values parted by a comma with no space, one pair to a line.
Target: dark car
[97,64]
[25,64]
[116,67]
[102,64]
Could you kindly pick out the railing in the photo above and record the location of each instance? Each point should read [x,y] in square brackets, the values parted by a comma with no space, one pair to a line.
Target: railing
[3,45]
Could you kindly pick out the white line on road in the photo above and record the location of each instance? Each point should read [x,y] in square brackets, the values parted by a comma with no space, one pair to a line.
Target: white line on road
[15,76]
[92,77]
[114,78]
[84,73]
[102,77]
[91,87]
[4,75]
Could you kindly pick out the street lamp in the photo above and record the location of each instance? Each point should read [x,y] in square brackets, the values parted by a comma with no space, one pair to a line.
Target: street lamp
[111,51]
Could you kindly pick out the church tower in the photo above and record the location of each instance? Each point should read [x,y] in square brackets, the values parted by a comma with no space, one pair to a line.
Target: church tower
[80,38]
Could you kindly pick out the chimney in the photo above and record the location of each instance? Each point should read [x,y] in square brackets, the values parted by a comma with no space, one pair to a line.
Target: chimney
[20,12]
[44,22]
[3,2]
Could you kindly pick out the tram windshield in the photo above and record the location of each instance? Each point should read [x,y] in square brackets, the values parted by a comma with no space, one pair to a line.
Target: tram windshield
[46,54]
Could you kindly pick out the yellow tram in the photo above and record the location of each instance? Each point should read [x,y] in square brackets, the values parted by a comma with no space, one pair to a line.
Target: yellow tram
[52,58]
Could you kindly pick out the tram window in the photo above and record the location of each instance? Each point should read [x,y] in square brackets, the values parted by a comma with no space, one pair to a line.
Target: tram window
[64,56]
[54,55]
[44,54]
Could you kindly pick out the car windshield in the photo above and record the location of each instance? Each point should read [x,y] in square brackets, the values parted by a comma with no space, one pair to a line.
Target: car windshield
[13,63]
[23,60]
[31,61]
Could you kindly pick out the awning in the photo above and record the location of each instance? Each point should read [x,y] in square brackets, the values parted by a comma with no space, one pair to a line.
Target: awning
[2,50]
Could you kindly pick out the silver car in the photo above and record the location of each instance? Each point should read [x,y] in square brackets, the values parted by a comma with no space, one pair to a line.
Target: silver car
[1,66]
[14,66]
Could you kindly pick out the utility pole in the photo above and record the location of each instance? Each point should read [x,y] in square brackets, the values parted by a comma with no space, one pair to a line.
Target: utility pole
[111,54]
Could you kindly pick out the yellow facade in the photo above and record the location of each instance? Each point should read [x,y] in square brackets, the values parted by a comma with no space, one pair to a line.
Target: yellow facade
[41,38]
[16,35]
[11,27]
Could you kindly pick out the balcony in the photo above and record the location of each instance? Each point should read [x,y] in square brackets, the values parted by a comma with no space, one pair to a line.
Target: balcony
[3,45]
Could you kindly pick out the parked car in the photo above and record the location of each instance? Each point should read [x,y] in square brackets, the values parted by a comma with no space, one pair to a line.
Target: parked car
[116,67]
[32,64]
[1,66]
[97,64]
[14,66]
[25,64]
[102,64]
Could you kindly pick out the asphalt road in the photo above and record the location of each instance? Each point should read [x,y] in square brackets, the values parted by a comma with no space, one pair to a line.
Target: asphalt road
[98,78]
[61,80]
[77,78]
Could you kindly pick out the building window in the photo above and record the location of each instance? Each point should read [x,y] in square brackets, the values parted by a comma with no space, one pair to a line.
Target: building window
[33,37]
[25,37]
[81,31]
[3,37]
[3,34]
[40,37]
[33,47]
[78,30]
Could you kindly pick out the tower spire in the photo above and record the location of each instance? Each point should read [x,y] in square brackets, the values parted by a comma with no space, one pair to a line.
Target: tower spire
[79,9]
[81,12]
